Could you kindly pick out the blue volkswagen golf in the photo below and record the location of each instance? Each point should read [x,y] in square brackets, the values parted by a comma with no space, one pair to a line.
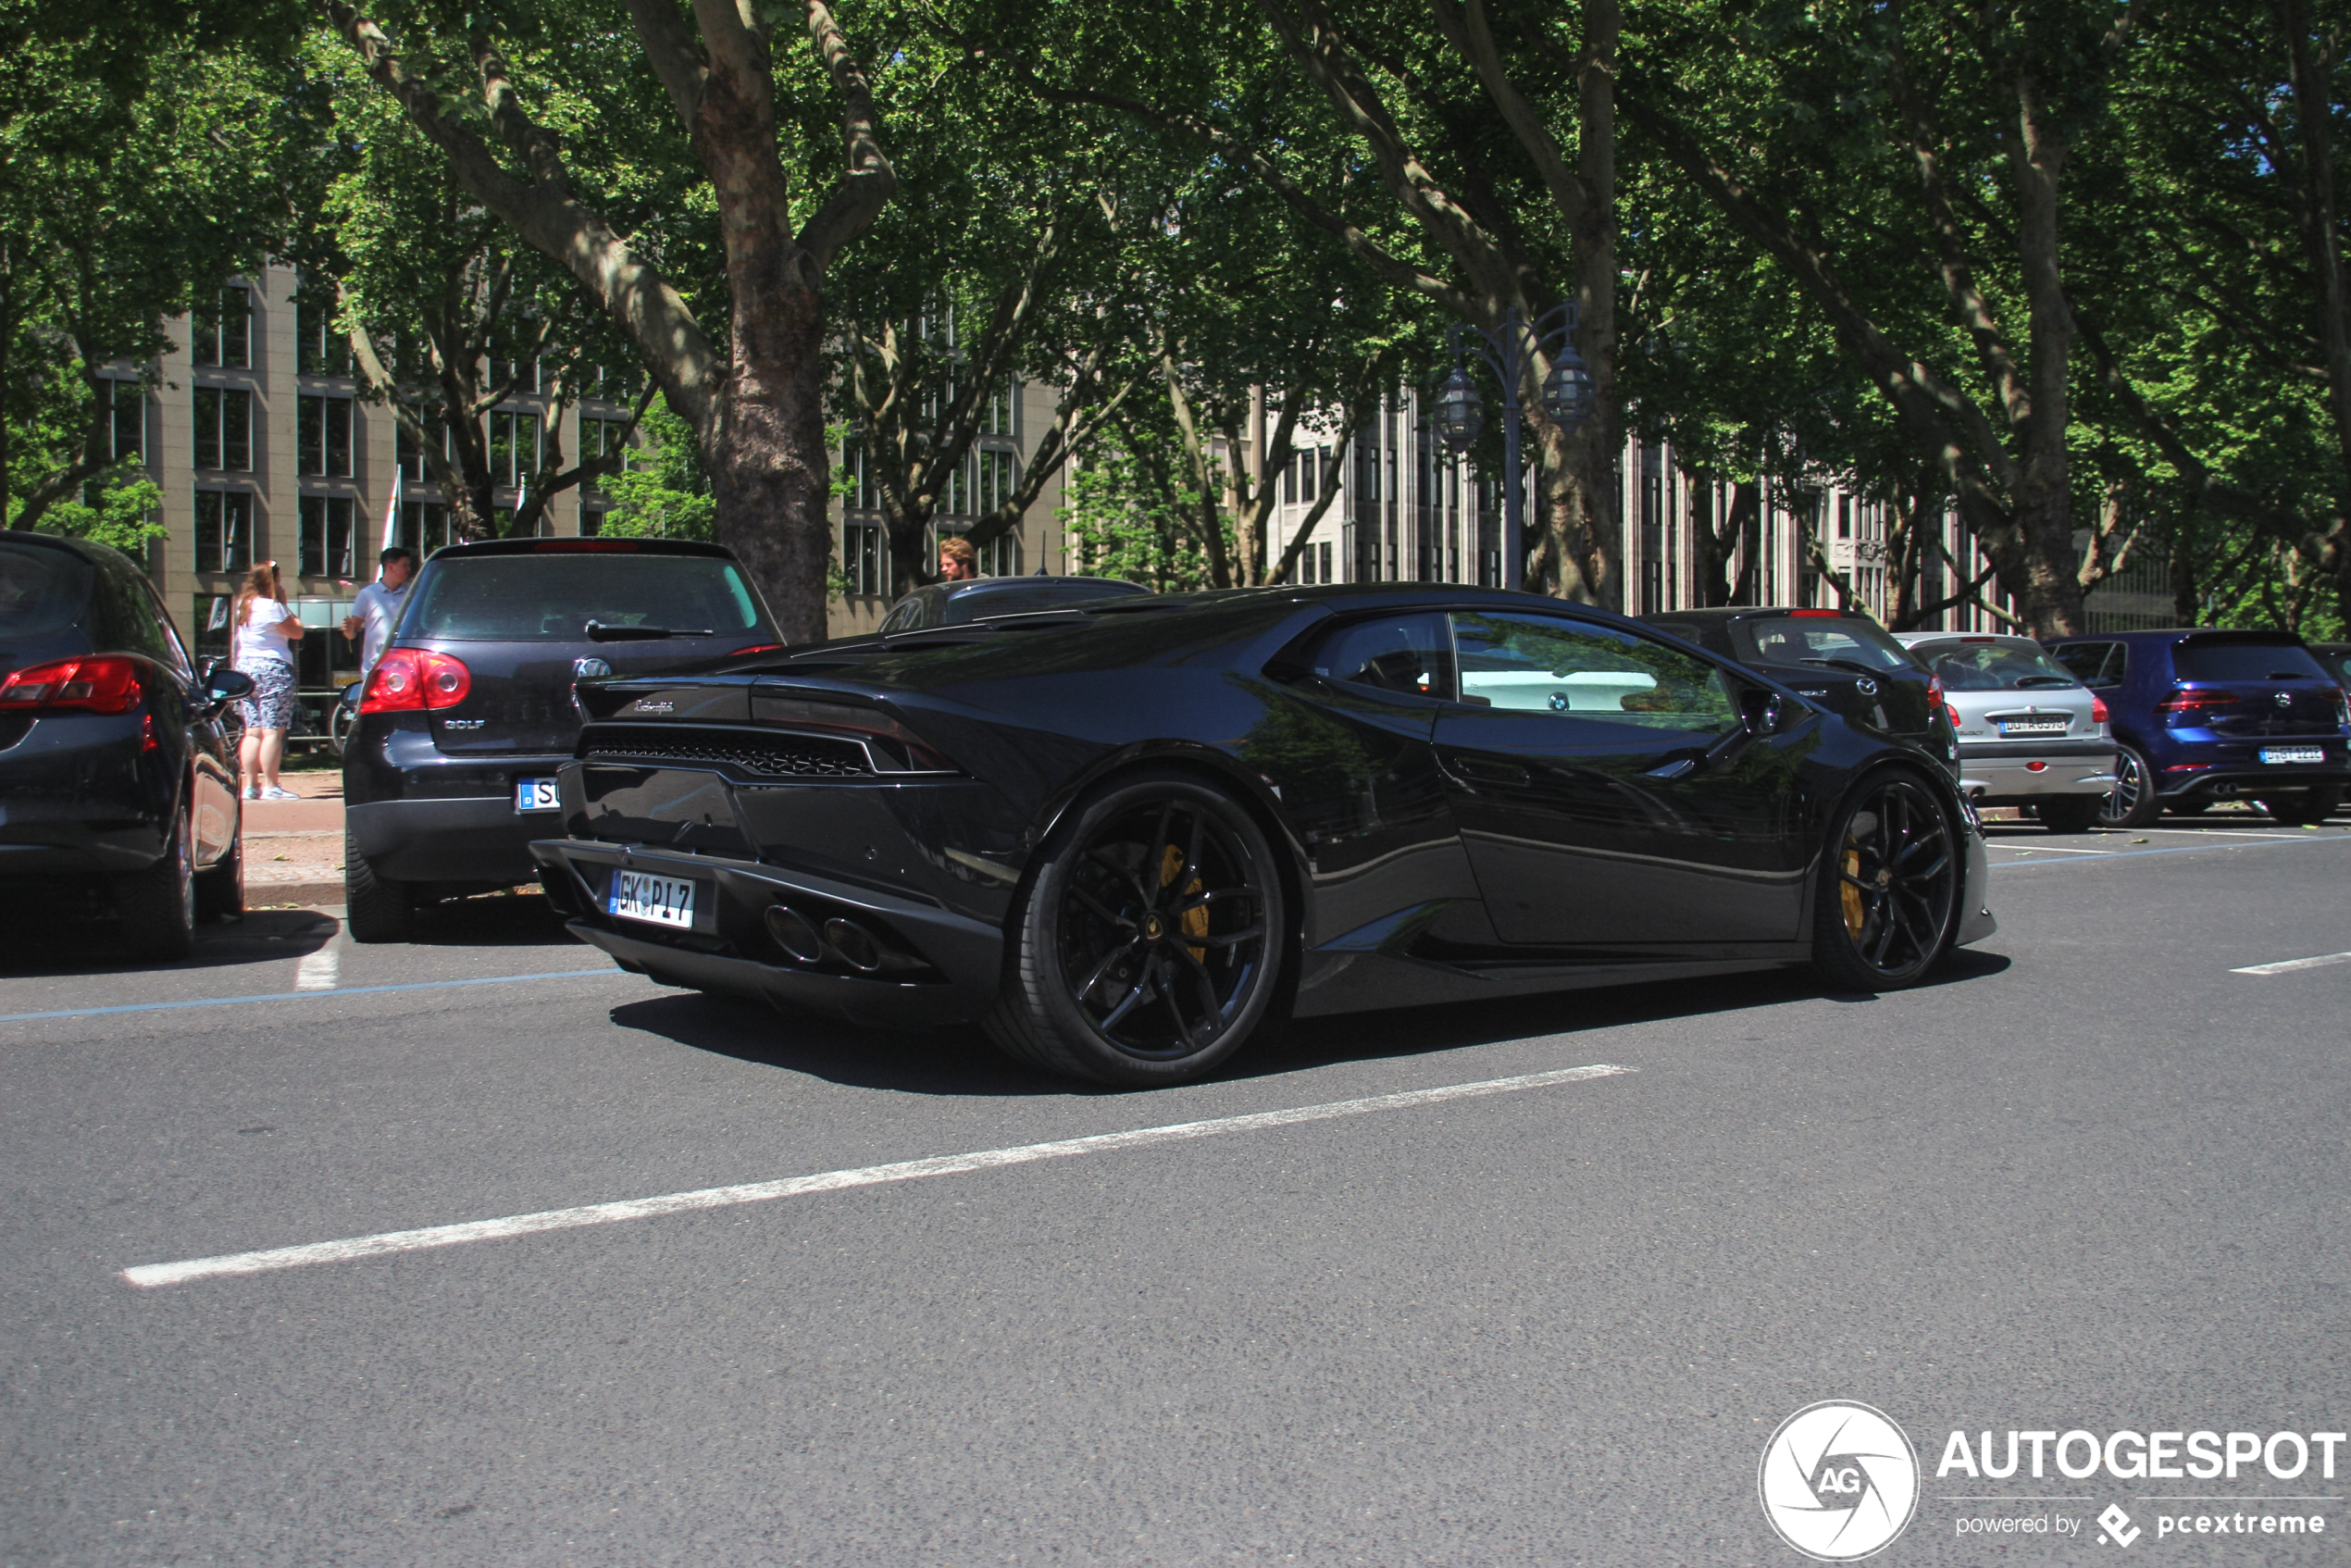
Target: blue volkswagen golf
[2204,717]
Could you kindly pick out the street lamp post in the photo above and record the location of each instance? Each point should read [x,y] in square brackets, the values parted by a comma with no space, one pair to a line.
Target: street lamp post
[1568,399]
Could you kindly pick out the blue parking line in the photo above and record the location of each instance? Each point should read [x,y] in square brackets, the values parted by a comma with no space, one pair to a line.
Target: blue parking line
[304,996]
[2085,858]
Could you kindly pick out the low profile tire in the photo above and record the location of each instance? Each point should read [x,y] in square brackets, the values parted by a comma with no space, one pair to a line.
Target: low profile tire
[2132,803]
[1146,948]
[1889,901]
[2069,814]
[156,907]
[2299,808]
[374,910]
[220,891]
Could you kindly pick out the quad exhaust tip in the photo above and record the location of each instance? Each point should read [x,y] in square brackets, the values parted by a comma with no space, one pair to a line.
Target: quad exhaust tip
[796,934]
[856,944]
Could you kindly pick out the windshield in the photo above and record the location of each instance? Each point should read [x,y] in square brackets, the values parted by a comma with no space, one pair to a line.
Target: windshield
[1992,666]
[1790,640]
[2206,659]
[41,590]
[553,598]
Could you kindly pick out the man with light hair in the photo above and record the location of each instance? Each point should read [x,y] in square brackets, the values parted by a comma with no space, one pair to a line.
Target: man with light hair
[958,562]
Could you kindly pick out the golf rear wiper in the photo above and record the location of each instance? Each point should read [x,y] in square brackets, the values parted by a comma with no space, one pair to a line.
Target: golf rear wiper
[599,633]
[2044,680]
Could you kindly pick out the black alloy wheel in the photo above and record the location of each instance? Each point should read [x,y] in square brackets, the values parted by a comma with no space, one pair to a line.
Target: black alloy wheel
[1147,948]
[2132,803]
[156,908]
[1890,894]
[2300,808]
[220,887]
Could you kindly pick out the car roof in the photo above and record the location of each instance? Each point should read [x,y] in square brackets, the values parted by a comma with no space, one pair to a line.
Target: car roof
[2178,633]
[568,544]
[1754,612]
[64,543]
[1091,585]
[1912,639]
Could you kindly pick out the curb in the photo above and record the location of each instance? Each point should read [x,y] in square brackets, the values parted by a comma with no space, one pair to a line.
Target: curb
[297,895]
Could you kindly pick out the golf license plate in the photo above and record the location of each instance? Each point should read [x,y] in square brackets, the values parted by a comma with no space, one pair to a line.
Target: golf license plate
[537,794]
[2033,726]
[658,901]
[2294,753]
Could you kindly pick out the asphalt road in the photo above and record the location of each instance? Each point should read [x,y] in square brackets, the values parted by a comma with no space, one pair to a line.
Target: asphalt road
[2091,1180]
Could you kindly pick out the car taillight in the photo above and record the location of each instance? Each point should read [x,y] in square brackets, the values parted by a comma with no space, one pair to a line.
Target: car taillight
[2187,706]
[1819,615]
[761,648]
[106,683]
[2342,706]
[408,678]
[2097,710]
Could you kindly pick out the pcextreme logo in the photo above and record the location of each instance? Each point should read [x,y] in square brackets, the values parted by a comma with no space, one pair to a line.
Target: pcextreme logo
[1839,1481]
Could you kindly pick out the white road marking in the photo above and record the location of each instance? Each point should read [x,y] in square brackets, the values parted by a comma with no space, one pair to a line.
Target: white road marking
[151,1276]
[2289,966]
[320,970]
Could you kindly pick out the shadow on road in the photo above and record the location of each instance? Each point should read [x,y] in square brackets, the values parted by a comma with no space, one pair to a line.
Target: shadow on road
[89,946]
[508,919]
[959,1061]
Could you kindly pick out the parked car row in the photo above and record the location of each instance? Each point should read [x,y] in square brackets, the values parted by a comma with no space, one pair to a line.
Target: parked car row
[530,680]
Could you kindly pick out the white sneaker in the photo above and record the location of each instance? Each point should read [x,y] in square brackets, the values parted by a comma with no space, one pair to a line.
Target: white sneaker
[274,793]
[252,791]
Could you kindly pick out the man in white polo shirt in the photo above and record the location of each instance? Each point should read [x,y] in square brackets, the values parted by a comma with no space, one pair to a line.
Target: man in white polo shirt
[376,610]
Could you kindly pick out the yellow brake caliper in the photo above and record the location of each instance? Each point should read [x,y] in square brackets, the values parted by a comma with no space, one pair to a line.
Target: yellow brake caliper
[1851,895]
[1193,921]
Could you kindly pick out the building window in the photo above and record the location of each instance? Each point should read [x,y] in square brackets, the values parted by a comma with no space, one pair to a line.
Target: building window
[224,428]
[406,454]
[326,536]
[322,436]
[222,335]
[1324,574]
[591,520]
[127,419]
[1002,415]
[524,373]
[424,527]
[224,530]
[602,437]
[320,350]
[513,447]
[864,557]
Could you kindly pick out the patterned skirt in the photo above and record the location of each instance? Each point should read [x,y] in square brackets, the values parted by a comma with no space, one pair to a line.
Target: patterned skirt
[271,706]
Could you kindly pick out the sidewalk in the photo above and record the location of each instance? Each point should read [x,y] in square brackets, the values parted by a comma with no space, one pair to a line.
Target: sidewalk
[294,849]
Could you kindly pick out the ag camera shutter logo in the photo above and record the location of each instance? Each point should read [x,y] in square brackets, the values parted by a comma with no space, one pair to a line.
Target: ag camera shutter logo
[1839,1481]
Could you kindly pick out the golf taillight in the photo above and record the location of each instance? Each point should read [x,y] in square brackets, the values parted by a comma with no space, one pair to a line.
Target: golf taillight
[408,678]
[1935,699]
[2097,710]
[104,683]
[2185,707]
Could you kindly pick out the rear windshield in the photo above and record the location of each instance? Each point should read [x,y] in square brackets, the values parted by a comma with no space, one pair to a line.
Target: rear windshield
[1808,639]
[2201,658]
[553,598]
[2337,664]
[1992,666]
[41,590]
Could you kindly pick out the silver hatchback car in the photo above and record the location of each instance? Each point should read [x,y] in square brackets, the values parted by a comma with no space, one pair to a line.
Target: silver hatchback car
[2030,733]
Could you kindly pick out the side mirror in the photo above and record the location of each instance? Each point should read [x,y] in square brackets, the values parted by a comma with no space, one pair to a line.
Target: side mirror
[223,687]
[1763,713]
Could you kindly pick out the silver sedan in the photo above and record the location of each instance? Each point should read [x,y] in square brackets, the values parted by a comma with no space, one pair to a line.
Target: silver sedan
[2030,734]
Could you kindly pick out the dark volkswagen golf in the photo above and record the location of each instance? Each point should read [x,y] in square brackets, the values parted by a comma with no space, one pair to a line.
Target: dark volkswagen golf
[449,771]
[1131,836]
[117,787]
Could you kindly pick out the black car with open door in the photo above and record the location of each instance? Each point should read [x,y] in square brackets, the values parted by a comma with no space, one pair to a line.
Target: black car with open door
[1132,836]
[449,770]
[117,792]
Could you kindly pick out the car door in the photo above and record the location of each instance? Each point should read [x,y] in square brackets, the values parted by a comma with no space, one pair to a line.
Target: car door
[1607,792]
[1345,737]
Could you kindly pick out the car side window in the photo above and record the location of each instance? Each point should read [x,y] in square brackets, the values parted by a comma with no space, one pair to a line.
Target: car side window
[1589,672]
[1411,655]
[174,651]
[2096,663]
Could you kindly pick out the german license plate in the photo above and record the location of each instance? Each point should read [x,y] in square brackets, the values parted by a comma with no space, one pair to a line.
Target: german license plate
[537,794]
[2294,753]
[2035,726]
[659,901]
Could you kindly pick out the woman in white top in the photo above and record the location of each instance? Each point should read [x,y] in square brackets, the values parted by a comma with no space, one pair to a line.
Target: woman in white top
[266,632]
